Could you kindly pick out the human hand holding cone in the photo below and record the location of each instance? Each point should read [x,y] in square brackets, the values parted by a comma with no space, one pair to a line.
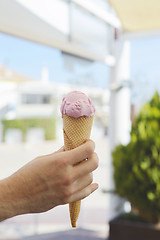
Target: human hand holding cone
[78,113]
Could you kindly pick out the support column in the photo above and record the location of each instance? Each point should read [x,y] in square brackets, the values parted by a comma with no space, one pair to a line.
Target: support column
[120,123]
[1,131]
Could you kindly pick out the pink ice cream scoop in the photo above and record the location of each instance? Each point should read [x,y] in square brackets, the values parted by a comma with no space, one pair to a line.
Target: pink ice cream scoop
[76,104]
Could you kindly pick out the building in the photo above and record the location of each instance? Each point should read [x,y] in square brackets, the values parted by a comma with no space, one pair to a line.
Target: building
[22,97]
[9,82]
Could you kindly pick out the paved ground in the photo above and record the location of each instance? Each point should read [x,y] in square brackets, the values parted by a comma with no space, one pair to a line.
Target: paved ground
[77,234]
[55,224]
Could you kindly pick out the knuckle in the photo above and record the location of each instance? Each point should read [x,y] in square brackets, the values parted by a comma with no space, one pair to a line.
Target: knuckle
[67,180]
[90,178]
[95,160]
[86,192]
[89,149]
[62,163]
[92,143]
[68,193]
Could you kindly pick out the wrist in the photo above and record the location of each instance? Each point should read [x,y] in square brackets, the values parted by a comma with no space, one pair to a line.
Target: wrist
[12,201]
[6,202]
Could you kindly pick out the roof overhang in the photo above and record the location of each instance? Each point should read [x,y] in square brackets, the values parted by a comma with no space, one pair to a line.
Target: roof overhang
[18,20]
[137,19]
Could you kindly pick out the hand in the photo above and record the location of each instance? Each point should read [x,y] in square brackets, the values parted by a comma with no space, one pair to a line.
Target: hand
[47,181]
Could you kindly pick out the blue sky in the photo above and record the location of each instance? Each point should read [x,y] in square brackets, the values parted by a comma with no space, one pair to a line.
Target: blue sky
[145,67]
[28,58]
[145,56]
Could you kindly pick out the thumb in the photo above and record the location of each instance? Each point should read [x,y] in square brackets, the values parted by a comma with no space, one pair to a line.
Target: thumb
[60,150]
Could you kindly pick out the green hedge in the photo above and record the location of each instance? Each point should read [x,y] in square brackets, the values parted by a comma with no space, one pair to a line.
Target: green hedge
[137,165]
[48,124]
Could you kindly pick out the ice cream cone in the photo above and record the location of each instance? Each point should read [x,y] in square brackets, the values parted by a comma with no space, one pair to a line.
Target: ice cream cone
[76,131]
[77,112]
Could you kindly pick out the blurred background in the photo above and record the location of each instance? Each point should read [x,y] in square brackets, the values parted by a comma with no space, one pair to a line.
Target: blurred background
[49,48]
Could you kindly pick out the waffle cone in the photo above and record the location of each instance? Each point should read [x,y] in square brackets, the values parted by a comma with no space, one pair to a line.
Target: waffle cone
[75,131]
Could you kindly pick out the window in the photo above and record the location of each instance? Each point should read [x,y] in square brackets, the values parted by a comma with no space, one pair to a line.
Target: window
[36,99]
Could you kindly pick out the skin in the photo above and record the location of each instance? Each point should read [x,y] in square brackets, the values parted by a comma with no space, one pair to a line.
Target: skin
[48,181]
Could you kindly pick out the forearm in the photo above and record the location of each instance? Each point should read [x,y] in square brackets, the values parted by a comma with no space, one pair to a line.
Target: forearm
[15,195]
[13,200]
[7,208]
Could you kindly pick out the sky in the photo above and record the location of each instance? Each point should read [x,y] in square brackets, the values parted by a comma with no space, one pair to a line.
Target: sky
[28,58]
[145,67]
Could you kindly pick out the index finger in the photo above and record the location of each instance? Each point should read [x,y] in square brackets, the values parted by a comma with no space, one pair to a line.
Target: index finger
[82,152]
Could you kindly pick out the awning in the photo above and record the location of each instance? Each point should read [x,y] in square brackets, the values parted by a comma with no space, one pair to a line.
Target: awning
[138,15]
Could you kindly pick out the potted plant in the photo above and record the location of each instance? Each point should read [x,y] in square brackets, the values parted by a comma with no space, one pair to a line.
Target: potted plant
[137,177]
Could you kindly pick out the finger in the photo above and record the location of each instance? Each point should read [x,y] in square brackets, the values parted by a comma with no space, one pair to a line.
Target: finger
[82,182]
[83,193]
[82,152]
[60,150]
[86,167]
[53,153]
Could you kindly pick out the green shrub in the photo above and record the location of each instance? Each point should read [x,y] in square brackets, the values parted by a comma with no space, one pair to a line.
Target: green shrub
[137,165]
[48,124]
